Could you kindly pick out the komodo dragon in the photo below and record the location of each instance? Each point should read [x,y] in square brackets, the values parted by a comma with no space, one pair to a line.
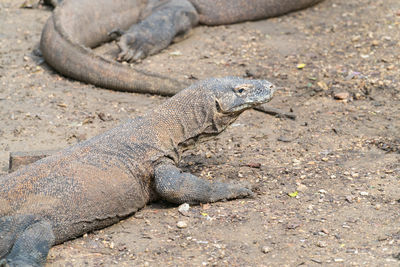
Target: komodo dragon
[78,25]
[98,182]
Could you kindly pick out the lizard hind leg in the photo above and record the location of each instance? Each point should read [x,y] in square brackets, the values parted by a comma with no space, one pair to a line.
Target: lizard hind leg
[179,187]
[30,241]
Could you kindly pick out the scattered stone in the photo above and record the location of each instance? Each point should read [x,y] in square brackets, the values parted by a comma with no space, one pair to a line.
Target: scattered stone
[104,117]
[255,165]
[349,199]
[321,233]
[296,162]
[324,230]
[184,209]
[321,244]
[301,188]
[182,224]
[266,249]
[285,139]
[375,42]
[176,53]
[138,215]
[323,85]
[341,95]
[62,105]
[364,193]
[292,226]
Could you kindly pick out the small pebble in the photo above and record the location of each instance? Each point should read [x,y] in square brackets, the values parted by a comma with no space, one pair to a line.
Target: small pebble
[321,244]
[182,224]
[266,249]
[301,188]
[285,139]
[324,230]
[296,162]
[341,95]
[138,216]
[349,199]
[176,53]
[364,193]
[184,209]
[375,42]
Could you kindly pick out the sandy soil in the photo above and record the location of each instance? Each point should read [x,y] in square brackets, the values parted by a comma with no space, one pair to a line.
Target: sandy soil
[327,184]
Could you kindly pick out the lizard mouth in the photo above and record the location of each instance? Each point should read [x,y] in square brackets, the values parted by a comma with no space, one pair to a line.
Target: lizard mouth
[231,111]
[238,109]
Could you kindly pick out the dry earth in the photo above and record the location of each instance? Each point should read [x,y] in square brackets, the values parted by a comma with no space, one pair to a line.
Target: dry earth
[327,184]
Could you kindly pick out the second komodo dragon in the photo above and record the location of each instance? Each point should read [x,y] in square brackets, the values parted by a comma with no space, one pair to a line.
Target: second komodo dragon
[100,181]
[78,25]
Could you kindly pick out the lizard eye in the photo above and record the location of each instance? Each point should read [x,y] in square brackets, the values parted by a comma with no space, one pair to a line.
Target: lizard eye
[240,89]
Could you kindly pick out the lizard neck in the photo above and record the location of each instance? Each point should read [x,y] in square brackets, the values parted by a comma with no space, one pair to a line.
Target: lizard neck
[184,119]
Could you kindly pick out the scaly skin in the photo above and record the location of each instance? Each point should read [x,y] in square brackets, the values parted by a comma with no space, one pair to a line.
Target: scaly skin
[154,24]
[100,181]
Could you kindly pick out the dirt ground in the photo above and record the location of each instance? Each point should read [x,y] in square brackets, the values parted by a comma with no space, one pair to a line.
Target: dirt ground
[327,183]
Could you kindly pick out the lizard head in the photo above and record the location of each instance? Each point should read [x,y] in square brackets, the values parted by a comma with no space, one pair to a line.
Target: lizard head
[233,95]
[208,107]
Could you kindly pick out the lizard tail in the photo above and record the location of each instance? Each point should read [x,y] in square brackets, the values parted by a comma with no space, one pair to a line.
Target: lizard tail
[71,56]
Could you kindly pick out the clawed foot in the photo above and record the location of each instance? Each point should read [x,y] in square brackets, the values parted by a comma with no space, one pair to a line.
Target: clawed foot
[158,30]
[135,46]
[238,191]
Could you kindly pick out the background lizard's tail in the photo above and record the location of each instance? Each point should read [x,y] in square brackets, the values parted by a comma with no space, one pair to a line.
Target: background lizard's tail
[76,26]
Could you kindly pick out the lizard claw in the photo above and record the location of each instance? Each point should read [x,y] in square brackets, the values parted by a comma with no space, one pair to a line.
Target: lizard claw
[133,47]
[131,56]
[125,56]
